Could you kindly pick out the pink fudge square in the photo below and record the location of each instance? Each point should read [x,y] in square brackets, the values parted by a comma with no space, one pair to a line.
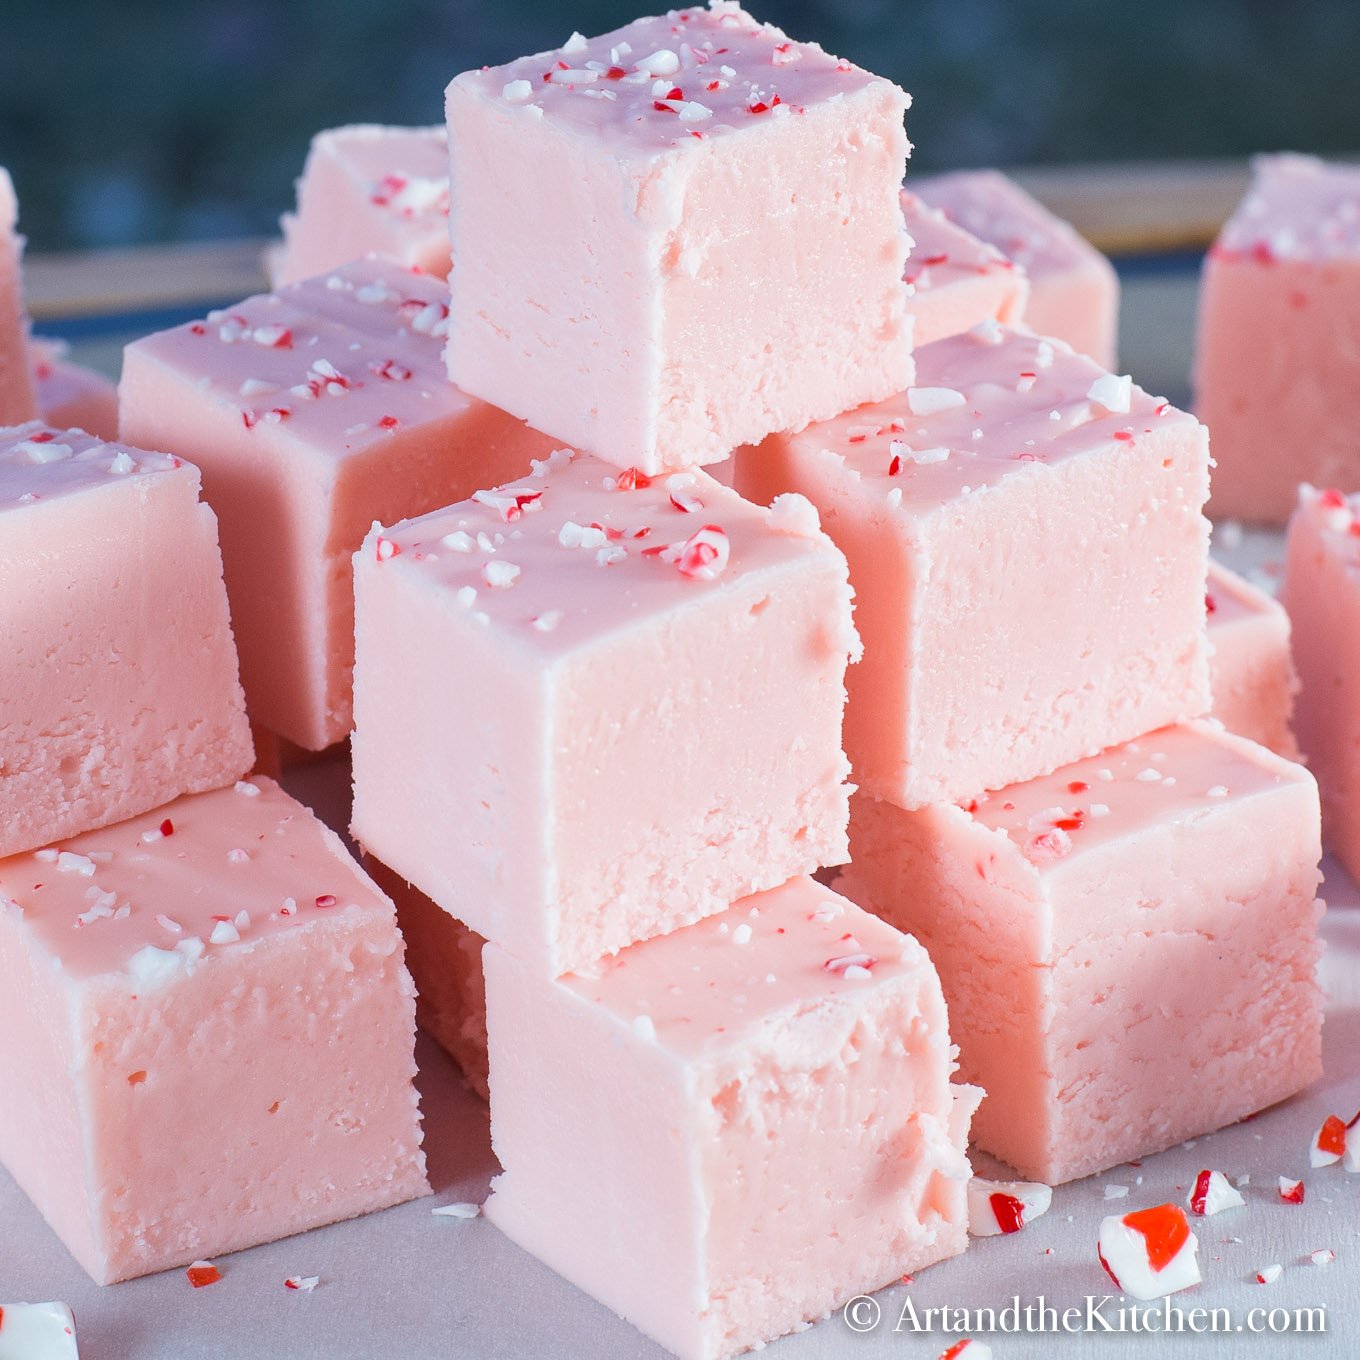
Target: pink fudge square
[366,190]
[1251,672]
[1321,592]
[625,694]
[694,239]
[1074,291]
[70,396]
[18,401]
[955,280]
[733,1129]
[1277,372]
[209,1034]
[1028,554]
[118,683]
[445,959]
[1127,946]
[314,411]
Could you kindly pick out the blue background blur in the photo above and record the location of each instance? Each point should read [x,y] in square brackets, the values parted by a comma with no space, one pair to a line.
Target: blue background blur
[126,121]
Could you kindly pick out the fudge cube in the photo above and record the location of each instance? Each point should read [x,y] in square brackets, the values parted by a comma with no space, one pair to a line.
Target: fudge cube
[118,683]
[694,238]
[624,694]
[1277,367]
[1128,946]
[1321,593]
[660,1119]
[1251,672]
[314,411]
[445,959]
[1074,291]
[1027,547]
[366,190]
[18,401]
[956,281]
[209,1034]
[70,396]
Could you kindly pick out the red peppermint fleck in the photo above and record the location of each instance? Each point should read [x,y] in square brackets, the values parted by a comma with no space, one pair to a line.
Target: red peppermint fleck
[167,827]
[1291,1191]
[712,85]
[1009,1211]
[326,900]
[615,73]
[933,260]
[248,419]
[1078,786]
[203,1273]
[386,549]
[1263,254]
[1124,436]
[388,423]
[1210,604]
[661,107]
[1164,1229]
[1331,499]
[908,1279]
[895,466]
[630,479]
[1073,823]
[704,554]
[42,437]
[841,962]
[198,328]
[1200,1193]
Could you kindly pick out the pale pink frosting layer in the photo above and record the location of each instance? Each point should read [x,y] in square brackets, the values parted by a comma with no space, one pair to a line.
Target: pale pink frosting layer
[314,411]
[986,517]
[1128,947]
[614,665]
[151,965]
[657,1117]
[1074,292]
[1251,672]
[690,287]
[955,280]
[1277,366]
[366,189]
[118,679]
[18,401]
[1321,592]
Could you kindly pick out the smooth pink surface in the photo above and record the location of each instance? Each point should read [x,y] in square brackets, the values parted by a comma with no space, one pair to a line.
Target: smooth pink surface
[730,1130]
[314,411]
[658,278]
[1030,589]
[209,1034]
[118,686]
[70,396]
[368,189]
[1321,592]
[956,280]
[1074,292]
[18,401]
[1128,946]
[623,745]
[1251,672]
[445,959]
[1277,372]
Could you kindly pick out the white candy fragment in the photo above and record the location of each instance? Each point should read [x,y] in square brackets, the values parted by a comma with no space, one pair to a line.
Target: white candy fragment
[37,1331]
[1132,1249]
[1115,394]
[461,1210]
[996,1207]
[927,401]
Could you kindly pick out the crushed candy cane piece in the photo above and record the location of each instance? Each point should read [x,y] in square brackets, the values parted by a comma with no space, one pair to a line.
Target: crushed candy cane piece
[1329,1143]
[461,1210]
[1269,1274]
[1212,1194]
[303,1284]
[1150,1253]
[1324,1256]
[1291,1191]
[997,1207]
[203,1273]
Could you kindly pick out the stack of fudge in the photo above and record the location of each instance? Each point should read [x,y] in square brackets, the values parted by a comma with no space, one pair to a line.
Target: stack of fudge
[722,512]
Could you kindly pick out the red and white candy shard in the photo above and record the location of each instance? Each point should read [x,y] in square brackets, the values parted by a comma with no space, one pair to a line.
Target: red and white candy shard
[1329,1143]
[968,1349]
[996,1207]
[1212,1193]
[1150,1253]
[1269,1274]
[1291,1191]
[37,1331]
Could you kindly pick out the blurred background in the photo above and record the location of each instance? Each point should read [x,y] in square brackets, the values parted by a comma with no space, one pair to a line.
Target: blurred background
[131,121]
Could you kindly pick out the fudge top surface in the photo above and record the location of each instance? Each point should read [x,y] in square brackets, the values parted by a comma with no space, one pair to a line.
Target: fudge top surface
[578,550]
[149,898]
[1176,774]
[1334,520]
[987,404]
[672,80]
[996,209]
[711,986]
[943,252]
[39,463]
[341,361]
[1229,599]
[1299,208]
[403,170]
